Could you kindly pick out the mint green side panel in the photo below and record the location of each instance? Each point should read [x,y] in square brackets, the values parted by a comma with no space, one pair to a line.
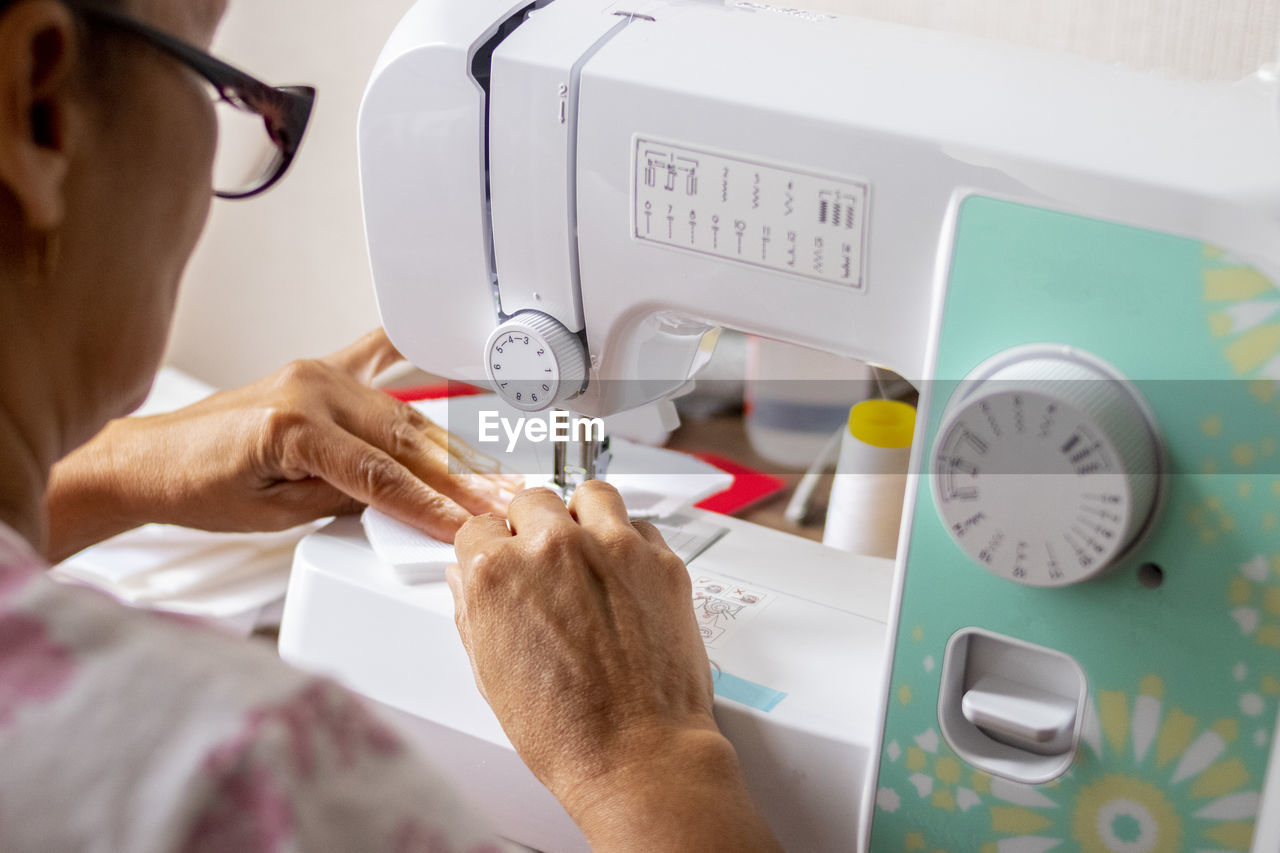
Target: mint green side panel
[1183,679]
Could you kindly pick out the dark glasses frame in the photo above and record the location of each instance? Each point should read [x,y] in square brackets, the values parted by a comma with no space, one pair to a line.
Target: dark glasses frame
[285,110]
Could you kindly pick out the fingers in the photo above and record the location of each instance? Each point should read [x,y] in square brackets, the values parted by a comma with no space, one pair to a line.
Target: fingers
[598,507]
[537,509]
[317,400]
[480,532]
[292,500]
[651,535]
[421,446]
[375,478]
[367,357]
[380,419]
[470,459]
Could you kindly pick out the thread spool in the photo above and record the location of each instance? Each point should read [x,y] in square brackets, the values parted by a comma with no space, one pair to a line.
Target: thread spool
[864,511]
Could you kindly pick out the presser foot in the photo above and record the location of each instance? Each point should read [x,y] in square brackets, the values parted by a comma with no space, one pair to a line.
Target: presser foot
[590,462]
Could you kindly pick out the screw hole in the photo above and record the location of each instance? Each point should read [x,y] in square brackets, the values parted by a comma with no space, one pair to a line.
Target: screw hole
[1150,575]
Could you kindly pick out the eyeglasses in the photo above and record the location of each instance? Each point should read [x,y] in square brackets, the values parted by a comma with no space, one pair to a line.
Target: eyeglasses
[259,127]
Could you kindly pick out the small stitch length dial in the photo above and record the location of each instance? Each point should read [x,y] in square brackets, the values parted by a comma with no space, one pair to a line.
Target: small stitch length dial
[534,362]
[1046,466]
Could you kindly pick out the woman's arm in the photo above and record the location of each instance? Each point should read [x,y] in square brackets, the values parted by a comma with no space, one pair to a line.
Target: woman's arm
[311,440]
[583,639]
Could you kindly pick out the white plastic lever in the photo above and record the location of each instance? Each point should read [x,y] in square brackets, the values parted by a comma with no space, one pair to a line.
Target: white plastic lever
[1020,715]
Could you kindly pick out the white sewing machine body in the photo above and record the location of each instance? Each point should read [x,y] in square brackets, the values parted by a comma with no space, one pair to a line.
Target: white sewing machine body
[820,641]
[915,118]
[640,174]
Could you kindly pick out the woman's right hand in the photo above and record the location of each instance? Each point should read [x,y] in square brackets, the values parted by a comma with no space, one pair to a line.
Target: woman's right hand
[582,637]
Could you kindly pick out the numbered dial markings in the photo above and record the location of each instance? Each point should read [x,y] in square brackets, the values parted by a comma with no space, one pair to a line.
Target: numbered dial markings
[1031,489]
[533,361]
[524,368]
[1047,467]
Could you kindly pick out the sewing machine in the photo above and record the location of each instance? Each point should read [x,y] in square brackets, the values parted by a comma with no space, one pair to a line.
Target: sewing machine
[1074,263]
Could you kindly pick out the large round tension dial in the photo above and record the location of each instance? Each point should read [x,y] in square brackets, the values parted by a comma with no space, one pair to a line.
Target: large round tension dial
[1046,467]
[534,361]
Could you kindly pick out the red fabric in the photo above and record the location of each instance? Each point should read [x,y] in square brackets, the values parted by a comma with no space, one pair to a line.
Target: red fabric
[437,391]
[749,486]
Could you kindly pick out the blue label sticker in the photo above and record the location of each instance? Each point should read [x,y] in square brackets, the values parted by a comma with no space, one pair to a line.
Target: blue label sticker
[747,692]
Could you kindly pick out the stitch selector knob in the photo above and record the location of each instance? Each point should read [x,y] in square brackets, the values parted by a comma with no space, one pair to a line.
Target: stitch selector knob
[534,362]
[1046,467]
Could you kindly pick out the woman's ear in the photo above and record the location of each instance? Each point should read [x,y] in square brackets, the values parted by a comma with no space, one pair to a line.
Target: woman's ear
[38,55]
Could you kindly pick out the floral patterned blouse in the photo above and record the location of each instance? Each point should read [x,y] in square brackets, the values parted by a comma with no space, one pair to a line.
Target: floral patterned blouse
[125,731]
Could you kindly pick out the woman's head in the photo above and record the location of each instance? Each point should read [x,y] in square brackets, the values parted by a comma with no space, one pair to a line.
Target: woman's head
[106,149]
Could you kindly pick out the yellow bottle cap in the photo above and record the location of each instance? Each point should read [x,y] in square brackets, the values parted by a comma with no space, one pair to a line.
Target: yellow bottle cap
[883,423]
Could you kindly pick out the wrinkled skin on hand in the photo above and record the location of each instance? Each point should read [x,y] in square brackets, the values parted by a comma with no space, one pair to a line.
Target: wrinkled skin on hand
[582,637]
[311,440]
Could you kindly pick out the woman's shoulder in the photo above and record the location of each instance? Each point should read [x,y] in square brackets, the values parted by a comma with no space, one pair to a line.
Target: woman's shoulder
[202,739]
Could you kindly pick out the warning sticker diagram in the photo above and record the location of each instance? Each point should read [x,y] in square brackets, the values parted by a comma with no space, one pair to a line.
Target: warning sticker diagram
[722,606]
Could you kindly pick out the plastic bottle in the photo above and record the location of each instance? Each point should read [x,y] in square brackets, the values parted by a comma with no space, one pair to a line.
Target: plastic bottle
[796,398]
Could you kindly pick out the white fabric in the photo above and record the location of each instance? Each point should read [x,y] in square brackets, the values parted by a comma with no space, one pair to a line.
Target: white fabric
[229,577]
[415,556]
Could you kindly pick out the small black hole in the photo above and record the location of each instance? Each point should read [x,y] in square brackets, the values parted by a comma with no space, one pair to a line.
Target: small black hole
[1150,575]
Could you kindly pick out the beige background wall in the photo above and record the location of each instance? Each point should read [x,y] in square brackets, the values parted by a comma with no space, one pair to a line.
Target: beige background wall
[286,275]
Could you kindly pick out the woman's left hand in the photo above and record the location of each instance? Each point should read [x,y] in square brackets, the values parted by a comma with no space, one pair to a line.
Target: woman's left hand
[311,440]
